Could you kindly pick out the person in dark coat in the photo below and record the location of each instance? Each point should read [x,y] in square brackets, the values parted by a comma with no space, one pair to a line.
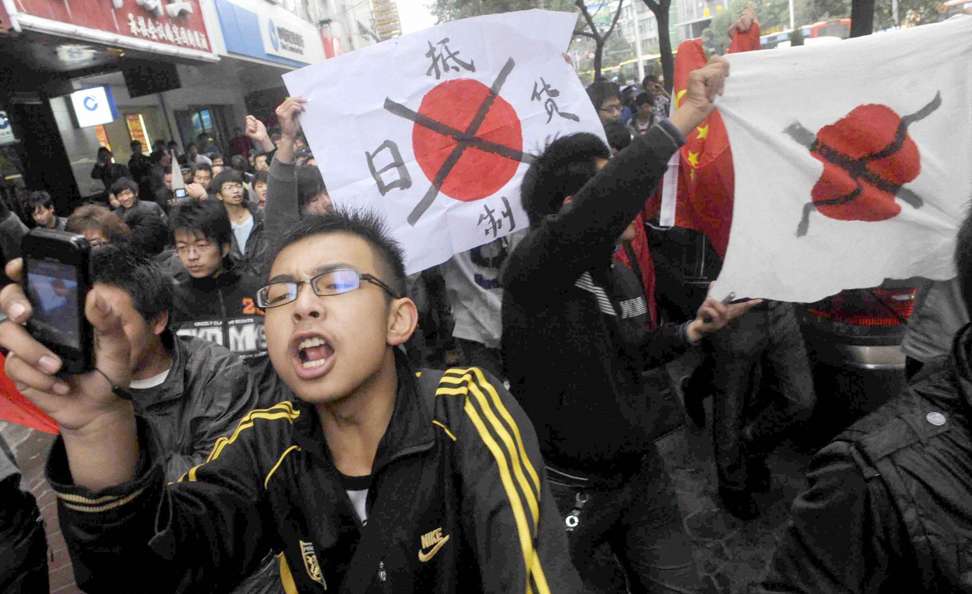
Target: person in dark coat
[889,502]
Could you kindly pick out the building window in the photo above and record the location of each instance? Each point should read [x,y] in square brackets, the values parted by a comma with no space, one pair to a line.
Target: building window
[137,130]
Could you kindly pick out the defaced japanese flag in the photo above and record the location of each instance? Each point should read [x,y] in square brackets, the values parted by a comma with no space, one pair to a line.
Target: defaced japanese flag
[434,130]
[853,162]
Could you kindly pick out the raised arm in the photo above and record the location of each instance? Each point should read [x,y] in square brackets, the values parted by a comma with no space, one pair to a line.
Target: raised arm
[283,206]
[585,231]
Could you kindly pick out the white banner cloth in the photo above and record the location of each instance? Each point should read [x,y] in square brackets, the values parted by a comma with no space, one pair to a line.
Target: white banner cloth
[435,129]
[853,162]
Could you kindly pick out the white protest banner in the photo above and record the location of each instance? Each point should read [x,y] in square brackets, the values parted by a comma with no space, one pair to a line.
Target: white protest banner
[434,130]
[852,162]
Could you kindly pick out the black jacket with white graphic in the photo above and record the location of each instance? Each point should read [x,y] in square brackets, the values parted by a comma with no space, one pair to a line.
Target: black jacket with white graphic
[223,310]
[575,338]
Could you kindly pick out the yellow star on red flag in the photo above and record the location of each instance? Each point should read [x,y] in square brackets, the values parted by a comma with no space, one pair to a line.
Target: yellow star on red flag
[703,132]
[693,159]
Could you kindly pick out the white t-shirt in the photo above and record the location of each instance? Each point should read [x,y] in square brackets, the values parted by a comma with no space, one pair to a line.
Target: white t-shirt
[357,489]
[474,292]
[150,382]
[242,231]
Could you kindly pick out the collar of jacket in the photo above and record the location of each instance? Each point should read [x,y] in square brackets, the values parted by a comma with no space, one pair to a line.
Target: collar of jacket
[409,431]
[174,384]
[228,277]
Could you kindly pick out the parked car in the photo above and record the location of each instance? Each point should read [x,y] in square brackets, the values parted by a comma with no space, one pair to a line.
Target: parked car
[853,338]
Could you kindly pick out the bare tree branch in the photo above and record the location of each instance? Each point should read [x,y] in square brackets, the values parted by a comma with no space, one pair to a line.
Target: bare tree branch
[595,34]
[615,21]
[579,33]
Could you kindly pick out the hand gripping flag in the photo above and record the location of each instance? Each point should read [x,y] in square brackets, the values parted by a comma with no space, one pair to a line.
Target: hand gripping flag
[851,162]
[699,188]
[15,408]
[434,130]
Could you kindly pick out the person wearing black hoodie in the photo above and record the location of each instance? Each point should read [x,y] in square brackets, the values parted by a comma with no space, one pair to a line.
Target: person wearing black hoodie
[575,345]
[217,301]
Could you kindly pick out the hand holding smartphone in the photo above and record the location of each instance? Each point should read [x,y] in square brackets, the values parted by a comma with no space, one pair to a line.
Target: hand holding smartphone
[57,281]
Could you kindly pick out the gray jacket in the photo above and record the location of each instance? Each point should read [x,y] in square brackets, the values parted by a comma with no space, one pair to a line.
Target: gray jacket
[938,315]
[207,391]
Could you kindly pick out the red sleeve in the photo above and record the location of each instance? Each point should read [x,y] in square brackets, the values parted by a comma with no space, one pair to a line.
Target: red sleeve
[745,42]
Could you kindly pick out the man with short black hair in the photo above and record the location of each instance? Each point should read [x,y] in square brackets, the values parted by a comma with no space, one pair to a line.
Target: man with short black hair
[202,182]
[191,391]
[218,163]
[249,246]
[889,502]
[150,234]
[260,187]
[138,164]
[312,192]
[375,478]
[126,192]
[218,299]
[576,343]
[41,208]
[606,97]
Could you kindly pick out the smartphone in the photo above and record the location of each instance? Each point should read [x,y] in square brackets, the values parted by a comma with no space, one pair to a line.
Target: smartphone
[180,194]
[57,275]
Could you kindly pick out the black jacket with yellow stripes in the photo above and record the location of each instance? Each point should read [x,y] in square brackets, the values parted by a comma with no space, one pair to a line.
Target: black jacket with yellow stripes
[480,520]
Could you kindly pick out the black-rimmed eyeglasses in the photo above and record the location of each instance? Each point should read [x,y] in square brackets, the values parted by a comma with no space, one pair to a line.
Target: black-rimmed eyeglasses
[332,282]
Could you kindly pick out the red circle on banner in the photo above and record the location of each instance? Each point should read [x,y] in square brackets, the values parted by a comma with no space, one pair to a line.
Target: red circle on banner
[478,173]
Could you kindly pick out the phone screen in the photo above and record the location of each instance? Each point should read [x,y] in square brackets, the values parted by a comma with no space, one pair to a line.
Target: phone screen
[52,288]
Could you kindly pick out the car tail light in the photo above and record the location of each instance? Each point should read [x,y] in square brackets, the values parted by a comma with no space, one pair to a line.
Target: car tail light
[881,308]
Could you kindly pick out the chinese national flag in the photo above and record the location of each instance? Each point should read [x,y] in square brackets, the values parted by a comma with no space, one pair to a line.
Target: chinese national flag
[705,175]
[15,408]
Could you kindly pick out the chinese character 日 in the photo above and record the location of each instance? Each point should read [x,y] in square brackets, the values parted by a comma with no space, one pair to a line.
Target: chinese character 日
[444,60]
[495,223]
[396,163]
[550,104]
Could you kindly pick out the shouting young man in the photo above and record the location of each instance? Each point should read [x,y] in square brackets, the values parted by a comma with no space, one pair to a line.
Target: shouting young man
[374,478]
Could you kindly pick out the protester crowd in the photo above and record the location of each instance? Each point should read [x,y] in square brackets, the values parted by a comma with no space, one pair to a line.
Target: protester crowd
[243,432]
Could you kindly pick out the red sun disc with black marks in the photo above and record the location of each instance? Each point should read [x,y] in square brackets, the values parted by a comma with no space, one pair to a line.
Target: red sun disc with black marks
[866,130]
[478,173]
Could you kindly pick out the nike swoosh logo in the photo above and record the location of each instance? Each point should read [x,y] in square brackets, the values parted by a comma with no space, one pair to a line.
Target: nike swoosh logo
[424,557]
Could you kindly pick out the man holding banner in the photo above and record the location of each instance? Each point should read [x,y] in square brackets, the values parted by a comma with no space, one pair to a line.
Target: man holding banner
[575,345]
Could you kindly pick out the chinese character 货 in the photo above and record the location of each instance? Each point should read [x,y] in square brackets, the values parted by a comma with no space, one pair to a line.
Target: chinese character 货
[550,104]
[495,223]
[404,180]
[444,60]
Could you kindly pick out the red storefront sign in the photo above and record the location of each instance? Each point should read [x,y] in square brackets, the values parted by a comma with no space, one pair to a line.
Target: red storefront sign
[178,24]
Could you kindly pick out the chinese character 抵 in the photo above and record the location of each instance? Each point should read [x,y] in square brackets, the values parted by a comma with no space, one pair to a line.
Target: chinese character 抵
[403,180]
[445,59]
[495,223]
[550,104]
